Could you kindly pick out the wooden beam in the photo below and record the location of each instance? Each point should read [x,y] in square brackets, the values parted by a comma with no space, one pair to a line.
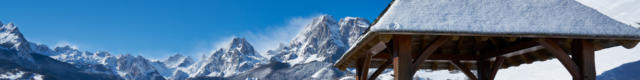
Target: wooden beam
[380,69]
[464,69]
[439,56]
[496,66]
[402,66]
[429,50]
[583,55]
[513,48]
[562,56]
[379,47]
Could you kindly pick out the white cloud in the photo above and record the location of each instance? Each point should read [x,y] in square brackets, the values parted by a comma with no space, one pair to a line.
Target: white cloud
[223,43]
[268,39]
[273,37]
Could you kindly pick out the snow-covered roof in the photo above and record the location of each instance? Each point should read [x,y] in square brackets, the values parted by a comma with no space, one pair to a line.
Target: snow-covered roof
[538,18]
[521,20]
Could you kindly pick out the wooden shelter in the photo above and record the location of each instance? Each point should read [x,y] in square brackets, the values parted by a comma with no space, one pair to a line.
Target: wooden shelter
[484,35]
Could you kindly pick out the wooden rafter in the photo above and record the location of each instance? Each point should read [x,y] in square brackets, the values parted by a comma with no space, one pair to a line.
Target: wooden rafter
[464,69]
[562,56]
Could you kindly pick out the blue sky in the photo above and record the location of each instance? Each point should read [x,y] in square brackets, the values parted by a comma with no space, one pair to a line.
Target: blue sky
[160,28]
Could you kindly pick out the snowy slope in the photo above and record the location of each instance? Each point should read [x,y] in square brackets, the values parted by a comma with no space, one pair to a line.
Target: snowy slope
[627,71]
[606,60]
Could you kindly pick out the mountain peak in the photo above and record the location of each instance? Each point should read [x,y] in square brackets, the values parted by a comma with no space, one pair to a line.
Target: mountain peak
[324,19]
[360,21]
[10,37]
[178,60]
[241,45]
[10,28]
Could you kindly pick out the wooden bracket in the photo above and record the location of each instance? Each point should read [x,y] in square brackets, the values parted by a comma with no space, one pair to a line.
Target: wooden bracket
[496,66]
[380,69]
[562,56]
[464,69]
[429,50]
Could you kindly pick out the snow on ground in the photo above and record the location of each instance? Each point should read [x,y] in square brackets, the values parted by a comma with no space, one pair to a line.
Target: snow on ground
[626,11]
[605,60]
[38,77]
[20,75]
[11,76]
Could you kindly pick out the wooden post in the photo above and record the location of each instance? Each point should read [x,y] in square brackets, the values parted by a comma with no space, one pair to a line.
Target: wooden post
[563,57]
[483,69]
[365,66]
[583,55]
[402,67]
[359,68]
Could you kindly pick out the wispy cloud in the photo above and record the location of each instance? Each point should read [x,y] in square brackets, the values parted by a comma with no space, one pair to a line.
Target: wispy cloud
[206,47]
[270,38]
[223,43]
[274,36]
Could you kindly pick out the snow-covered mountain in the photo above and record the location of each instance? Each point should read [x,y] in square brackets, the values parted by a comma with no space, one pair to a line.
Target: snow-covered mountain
[322,40]
[178,60]
[311,53]
[239,56]
[21,59]
[126,66]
